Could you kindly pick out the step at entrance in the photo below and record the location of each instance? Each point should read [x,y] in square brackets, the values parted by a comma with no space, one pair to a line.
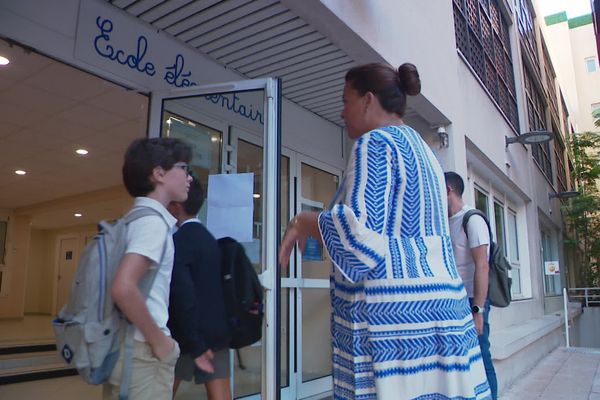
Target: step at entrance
[31,362]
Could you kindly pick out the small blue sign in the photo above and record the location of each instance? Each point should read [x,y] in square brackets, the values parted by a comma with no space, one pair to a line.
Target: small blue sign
[313,251]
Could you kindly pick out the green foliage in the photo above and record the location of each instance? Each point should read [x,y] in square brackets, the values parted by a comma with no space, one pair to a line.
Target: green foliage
[583,212]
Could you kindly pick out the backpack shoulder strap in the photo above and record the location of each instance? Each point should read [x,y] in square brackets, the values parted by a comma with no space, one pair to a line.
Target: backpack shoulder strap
[469,214]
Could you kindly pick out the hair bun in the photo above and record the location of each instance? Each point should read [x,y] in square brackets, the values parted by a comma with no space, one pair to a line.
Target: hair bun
[408,78]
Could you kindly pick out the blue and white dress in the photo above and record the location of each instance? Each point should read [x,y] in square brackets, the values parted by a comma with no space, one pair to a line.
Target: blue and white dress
[402,326]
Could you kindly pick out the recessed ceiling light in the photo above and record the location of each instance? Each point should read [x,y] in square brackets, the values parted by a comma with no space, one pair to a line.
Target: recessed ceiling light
[81,152]
[20,172]
[4,60]
[77,215]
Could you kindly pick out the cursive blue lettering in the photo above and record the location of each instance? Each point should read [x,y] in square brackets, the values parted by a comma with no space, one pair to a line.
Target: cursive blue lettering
[175,76]
[133,61]
[231,103]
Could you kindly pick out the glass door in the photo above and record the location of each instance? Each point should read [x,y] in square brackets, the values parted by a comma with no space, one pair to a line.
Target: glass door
[208,117]
[317,184]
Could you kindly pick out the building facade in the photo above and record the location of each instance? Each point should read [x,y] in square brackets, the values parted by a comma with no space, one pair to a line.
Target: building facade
[95,74]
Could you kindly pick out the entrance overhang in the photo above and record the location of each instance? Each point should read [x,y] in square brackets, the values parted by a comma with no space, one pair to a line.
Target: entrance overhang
[301,42]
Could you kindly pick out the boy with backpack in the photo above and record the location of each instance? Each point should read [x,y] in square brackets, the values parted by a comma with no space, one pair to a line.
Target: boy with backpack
[197,316]
[471,247]
[155,173]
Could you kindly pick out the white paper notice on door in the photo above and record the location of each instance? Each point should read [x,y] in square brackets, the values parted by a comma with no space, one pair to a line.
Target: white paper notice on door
[230,206]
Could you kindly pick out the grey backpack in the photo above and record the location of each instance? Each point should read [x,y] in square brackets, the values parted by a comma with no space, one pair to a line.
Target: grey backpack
[90,329]
[499,279]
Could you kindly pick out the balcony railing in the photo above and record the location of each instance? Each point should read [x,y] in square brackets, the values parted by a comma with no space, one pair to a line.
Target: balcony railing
[588,297]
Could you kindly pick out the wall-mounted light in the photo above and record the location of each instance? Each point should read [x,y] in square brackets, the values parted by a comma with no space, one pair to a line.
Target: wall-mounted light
[442,136]
[564,195]
[533,137]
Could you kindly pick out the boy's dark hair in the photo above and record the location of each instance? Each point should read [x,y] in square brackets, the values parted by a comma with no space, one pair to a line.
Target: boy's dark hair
[195,198]
[455,182]
[143,155]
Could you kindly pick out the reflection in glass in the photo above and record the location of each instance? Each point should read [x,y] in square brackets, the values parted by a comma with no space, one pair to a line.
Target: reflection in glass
[316,334]
[500,236]
[514,252]
[206,147]
[318,188]
[249,159]
[551,282]
[481,201]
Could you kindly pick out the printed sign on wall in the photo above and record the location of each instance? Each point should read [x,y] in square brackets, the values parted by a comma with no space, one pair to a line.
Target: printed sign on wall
[551,268]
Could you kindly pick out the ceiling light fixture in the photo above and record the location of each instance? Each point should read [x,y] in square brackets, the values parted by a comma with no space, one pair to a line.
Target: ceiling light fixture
[20,172]
[4,60]
[77,215]
[81,152]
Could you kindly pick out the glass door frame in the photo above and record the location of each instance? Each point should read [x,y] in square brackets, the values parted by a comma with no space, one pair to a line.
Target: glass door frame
[270,277]
[324,384]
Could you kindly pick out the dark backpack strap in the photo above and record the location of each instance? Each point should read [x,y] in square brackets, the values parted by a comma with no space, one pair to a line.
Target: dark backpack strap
[145,286]
[469,214]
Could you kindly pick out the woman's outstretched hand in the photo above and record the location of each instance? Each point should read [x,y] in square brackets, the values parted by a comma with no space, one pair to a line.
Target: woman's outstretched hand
[298,230]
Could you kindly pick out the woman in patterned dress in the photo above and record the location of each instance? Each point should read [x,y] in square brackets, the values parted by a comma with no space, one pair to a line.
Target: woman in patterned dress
[402,326]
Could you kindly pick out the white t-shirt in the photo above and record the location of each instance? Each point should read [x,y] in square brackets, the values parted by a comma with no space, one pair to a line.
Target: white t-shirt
[478,235]
[146,236]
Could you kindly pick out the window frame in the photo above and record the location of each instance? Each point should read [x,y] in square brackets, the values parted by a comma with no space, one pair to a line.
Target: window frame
[520,271]
[550,252]
[594,64]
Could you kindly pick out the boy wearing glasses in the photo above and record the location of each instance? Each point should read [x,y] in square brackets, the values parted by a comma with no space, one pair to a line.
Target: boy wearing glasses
[155,173]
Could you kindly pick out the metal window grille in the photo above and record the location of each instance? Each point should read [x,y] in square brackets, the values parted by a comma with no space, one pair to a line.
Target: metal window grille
[559,155]
[527,29]
[536,120]
[483,39]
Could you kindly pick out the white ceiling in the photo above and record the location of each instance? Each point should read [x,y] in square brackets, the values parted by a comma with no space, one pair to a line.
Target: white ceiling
[257,38]
[47,111]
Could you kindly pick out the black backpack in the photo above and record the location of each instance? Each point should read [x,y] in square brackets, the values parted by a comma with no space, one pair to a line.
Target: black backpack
[243,294]
[499,281]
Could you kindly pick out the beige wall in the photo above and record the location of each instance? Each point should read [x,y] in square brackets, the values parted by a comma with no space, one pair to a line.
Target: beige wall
[588,83]
[42,272]
[30,272]
[12,303]
[40,280]
[568,49]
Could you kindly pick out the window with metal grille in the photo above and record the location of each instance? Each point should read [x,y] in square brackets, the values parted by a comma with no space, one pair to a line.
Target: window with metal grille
[482,37]
[565,114]
[559,156]
[571,175]
[536,121]
[550,79]
[527,29]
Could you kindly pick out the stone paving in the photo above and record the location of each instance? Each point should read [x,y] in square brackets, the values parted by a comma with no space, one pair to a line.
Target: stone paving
[565,374]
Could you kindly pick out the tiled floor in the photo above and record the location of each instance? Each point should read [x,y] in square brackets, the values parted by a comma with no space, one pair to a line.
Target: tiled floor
[565,374]
[74,388]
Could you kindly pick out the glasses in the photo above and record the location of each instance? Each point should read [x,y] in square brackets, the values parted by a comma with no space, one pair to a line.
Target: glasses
[185,167]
